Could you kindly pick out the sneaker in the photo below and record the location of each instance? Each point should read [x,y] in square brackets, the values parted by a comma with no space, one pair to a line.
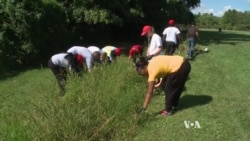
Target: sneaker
[165,113]
[174,109]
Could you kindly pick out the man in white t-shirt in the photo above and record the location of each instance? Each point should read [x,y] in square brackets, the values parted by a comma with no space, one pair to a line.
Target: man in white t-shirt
[85,53]
[172,36]
[154,41]
[96,52]
[60,63]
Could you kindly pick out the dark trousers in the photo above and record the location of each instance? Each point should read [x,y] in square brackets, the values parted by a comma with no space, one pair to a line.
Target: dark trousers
[60,74]
[174,85]
[170,48]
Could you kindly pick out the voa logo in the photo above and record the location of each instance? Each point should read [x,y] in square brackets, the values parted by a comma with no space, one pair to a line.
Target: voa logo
[192,124]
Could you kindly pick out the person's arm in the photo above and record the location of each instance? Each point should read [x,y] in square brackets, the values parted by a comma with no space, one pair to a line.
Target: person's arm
[158,51]
[89,62]
[197,34]
[159,46]
[130,55]
[129,58]
[164,37]
[148,94]
[147,51]
[179,38]
[187,34]
[158,83]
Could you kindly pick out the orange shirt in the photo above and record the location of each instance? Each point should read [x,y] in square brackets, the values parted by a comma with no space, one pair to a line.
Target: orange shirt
[162,65]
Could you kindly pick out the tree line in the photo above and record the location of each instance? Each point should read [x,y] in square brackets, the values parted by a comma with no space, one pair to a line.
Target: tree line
[32,30]
[231,20]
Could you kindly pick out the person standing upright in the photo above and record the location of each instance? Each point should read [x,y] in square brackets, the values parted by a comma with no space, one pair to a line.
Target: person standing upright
[192,34]
[154,41]
[171,36]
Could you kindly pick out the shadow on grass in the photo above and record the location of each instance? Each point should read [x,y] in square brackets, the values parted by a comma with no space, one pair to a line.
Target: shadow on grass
[189,101]
[208,37]
[5,74]
[186,101]
[225,37]
[13,72]
[198,52]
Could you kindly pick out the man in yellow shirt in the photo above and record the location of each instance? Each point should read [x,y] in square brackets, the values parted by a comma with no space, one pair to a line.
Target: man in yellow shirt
[174,70]
[109,53]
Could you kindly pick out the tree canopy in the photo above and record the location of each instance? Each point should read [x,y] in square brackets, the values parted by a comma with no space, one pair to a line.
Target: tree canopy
[32,30]
[231,20]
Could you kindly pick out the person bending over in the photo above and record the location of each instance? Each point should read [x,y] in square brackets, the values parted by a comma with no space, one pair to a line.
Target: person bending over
[109,54]
[135,52]
[174,70]
[85,53]
[60,64]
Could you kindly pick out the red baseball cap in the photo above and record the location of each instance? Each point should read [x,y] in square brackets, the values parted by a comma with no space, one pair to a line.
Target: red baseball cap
[79,59]
[146,29]
[171,22]
[118,51]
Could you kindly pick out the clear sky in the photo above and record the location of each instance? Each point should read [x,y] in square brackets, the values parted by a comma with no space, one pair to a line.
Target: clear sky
[218,7]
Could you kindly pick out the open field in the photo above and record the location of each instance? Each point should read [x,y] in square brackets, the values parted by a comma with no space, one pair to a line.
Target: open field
[102,105]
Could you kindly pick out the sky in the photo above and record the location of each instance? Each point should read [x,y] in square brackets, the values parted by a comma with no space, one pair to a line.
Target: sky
[218,7]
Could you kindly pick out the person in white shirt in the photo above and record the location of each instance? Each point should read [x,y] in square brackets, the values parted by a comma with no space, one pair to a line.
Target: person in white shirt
[154,41]
[60,64]
[96,52]
[171,36]
[109,53]
[85,53]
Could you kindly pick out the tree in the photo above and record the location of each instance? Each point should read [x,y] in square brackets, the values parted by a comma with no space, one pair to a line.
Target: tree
[207,20]
[35,29]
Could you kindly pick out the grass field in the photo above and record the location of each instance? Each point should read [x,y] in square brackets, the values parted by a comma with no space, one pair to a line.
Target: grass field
[102,105]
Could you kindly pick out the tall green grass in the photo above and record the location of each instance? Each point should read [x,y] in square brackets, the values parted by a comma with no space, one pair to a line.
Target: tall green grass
[97,106]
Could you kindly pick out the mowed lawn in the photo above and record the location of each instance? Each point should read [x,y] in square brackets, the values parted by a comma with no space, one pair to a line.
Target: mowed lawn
[214,106]
[217,96]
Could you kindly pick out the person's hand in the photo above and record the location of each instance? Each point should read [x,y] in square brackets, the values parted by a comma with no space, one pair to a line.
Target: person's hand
[150,57]
[158,83]
[140,110]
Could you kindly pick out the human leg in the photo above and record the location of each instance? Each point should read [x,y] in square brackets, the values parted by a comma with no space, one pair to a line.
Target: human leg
[189,48]
[173,48]
[167,52]
[174,86]
[169,90]
[182,76]
[193,48]
[61,79]
[60,74]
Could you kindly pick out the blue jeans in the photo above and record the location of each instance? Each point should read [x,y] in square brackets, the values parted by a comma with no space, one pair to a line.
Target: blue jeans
[191,47]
